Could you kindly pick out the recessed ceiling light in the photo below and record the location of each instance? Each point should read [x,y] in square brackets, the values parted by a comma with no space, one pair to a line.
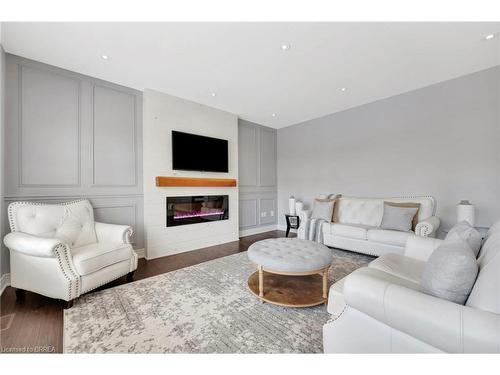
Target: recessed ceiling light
[489,36]
[104,57]
[273,114]
[214,94]
[343,89]
[285,46]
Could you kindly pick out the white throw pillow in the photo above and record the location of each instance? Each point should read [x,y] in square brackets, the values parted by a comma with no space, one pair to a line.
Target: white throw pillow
[77,226]
[465,232]
[323,209]
[450,272]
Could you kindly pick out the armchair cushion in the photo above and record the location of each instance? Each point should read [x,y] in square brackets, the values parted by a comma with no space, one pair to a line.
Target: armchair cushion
[91,258]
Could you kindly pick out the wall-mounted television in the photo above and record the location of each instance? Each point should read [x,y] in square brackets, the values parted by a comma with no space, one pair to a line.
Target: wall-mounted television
[191,152]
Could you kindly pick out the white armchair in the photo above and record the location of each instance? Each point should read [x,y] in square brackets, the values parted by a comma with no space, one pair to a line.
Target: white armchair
[57,250]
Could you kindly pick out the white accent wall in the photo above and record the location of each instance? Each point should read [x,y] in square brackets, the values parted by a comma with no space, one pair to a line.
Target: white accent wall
[162,114]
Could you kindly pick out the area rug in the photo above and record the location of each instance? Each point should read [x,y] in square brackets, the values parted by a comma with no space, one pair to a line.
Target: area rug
[206,308]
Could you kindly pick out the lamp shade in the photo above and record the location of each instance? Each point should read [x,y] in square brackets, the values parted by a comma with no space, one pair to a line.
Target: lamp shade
[466,211]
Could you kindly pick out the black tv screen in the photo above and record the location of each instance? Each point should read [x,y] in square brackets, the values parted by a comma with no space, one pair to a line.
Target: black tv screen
[191,152]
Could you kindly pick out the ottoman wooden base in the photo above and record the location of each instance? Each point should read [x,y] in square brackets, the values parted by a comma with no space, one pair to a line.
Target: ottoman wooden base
[289,290]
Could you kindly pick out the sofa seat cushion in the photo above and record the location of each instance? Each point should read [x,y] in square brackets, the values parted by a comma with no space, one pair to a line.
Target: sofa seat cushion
[91,258]
[392,237]
[400,266]
[357,231]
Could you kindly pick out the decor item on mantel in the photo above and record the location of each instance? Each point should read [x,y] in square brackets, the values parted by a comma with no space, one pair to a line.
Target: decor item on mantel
[166,181]
[291,205]
[465,211]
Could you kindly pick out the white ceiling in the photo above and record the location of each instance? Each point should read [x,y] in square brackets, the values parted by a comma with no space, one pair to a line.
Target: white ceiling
[253,77]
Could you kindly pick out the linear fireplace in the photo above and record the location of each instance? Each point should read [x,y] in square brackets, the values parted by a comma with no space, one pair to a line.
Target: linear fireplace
[196,209]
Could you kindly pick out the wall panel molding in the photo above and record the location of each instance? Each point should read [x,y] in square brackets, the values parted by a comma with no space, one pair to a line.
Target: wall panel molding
[22,154]
[118,134]
[257,158]
[73,141]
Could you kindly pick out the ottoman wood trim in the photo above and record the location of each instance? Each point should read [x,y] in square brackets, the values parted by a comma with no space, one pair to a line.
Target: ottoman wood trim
[290,289]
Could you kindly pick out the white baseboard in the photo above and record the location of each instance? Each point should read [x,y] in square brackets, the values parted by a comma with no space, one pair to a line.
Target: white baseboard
[4,282]
[141,253]
[252,231]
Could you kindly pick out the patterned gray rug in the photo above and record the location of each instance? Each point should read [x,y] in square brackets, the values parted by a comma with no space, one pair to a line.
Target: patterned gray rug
[206,308]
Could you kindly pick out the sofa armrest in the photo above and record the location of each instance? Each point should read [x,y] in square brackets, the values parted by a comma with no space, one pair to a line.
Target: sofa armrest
[32,245]
[443,324]
[421,248]
[428,227]
[304,217]
[113,233]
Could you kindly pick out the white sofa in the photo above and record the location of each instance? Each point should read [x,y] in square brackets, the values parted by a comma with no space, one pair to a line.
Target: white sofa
[379,308]
[59,251]
[358,221]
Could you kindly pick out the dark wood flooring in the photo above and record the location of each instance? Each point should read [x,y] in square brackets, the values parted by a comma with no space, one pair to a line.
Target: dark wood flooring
[36,324]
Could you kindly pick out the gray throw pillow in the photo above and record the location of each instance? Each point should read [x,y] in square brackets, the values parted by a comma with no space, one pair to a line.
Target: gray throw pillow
[450,272]
[398,218]
[323,209]
[465,232]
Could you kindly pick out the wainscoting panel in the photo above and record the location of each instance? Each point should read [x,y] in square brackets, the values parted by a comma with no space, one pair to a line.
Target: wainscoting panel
[248,213]
[49,128]
[267,211]
[114,118]
[247,155]
[267,157]
[257,174]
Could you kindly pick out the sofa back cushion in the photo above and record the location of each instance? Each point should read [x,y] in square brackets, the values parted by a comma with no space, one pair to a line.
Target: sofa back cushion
[485,294]
[71,222]
[369,211]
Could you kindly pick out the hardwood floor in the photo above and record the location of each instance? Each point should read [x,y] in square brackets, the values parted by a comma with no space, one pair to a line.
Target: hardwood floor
[36,324]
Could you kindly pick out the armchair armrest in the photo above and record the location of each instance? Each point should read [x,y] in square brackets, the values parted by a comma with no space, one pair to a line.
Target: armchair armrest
[113,233]
[421,248]
[443,324]
[32,245]
[428,227]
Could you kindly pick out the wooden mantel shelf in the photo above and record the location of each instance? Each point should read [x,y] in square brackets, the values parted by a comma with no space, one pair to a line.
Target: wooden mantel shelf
[164,181]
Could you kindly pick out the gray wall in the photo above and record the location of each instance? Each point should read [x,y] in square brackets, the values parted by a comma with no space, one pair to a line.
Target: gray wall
[442,140]
[69,136]
[257,175]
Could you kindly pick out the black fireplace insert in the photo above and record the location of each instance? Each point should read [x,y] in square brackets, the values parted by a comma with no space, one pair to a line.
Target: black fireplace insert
[197,209]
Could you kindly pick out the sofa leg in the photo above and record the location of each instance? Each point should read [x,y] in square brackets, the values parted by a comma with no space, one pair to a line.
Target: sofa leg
[20,295]
[69,305]
[130,276]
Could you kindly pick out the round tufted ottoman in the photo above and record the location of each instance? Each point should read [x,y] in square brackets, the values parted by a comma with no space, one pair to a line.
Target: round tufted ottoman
[291,272]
